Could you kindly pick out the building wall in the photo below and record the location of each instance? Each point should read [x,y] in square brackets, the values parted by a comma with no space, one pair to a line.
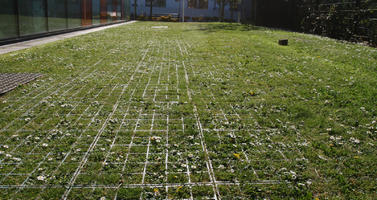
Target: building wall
[247,12]
[28,18]
[175,7]
[276,13]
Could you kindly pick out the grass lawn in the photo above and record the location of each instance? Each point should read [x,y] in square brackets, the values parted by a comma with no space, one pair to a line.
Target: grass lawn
[193,111]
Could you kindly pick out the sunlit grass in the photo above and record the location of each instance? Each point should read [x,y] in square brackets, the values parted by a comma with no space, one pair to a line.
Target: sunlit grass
[234,114]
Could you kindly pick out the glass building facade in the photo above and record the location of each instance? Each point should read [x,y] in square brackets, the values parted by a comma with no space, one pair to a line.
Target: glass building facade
[28,18]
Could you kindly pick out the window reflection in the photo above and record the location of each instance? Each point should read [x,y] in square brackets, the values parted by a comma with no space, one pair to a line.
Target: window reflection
[96,11]
[86,12]
[109,10]
[103,11]
[57,19]
[198,4]
[20,18]
[156,3]
[8,19]
[32,17]
[74,13]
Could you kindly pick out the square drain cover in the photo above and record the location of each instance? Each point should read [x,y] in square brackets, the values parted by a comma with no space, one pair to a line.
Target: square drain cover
[9,81]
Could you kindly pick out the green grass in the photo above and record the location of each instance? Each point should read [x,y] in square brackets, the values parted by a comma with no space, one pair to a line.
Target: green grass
[202,110]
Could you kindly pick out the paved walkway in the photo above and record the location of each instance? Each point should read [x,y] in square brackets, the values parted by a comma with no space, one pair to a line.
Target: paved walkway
[31,43]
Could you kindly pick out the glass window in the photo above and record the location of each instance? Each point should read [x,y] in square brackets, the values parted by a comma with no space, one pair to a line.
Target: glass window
[57,19]
[118,10]
[127,8]
[233,5]
[96,11]
[198,4]
[109,10]
[87,12]
[74,13]
[32,16]
[8,19]
[103,11]
[156,3]
[114,14]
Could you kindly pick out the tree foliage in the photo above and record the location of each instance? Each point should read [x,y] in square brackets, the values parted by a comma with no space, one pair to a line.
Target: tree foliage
[341,19]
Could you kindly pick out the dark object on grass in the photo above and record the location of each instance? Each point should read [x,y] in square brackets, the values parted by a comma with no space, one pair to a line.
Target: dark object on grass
[283,42]
[10,81]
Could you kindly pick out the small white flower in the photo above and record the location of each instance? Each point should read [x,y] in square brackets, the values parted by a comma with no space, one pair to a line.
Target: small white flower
[231,135]
[6,146]
[17,159]
[354,140]
[45,145]
[8,155]
[27,119]
[293,174]
[41,178]
[156,139]
[322,157]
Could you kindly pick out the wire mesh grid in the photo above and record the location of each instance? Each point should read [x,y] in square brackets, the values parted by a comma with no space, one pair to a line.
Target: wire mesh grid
[143,138]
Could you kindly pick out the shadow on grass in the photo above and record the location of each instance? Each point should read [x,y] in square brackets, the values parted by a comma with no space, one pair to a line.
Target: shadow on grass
[215,27]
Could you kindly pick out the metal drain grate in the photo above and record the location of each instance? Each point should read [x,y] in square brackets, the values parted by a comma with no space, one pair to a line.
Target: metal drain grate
[9,81]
